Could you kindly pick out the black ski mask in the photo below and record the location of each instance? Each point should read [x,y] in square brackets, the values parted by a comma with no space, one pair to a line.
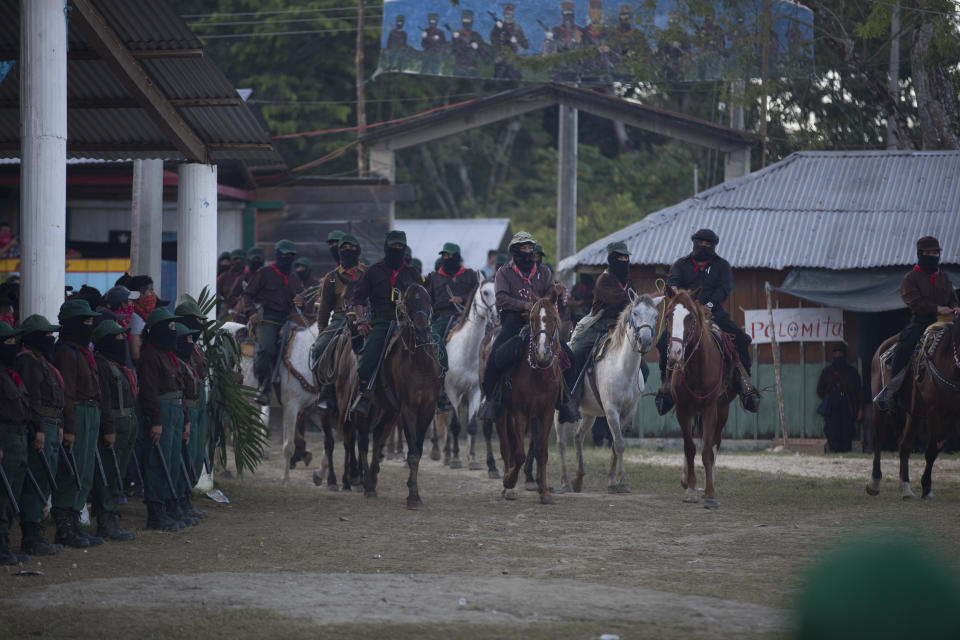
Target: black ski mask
[523,260]
[619,268]
[162,337]
[349,258]
[8,353]
[702,253]
[255,265]
[335,253]
[113,348]
[839,361]
[928,263]
[284,263]
[451,265]
[193,323]
[237,267]
[184,348]
[75,330]
[394,256]
[41,342]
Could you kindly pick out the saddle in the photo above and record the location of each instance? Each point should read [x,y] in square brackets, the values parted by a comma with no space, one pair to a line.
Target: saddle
[725,342]
[926,346]
[511,351]
[325,368]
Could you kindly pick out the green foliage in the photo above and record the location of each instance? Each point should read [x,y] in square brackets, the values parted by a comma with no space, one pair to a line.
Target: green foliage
[232,412]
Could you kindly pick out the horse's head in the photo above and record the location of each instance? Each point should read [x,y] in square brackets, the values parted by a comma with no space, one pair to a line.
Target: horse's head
[682,320]
[639,319]
[485,302]
[545,331]
[416,309]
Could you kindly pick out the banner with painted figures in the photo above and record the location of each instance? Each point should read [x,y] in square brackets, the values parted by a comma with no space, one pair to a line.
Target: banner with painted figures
[593,42]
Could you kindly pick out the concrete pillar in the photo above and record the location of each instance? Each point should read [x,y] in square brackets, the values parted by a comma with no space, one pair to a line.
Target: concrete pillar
[196,229]
[43,152]
[567,186]
[736,163]
[383,162]
[146,225]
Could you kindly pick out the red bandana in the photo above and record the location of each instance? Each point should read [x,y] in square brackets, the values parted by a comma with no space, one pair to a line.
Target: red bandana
[131,377]
[16,378]
[93,365]
[454,276]
[526,279]
[700,266]
[933,276]
[279,273]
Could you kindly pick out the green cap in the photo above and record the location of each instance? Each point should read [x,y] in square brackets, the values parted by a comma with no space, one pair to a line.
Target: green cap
[76,308]
[6,331]
[285,246]
[521,237]
[433,16]
[394,237]
[238,254]
[618,247]
[450,247]
[538,249]
[466,13]
[416,264]
[255,252]
[349,239]
[160,315]
[335,235]
[189,307]
[184,330]
[303,261]
[107,328]
[224,256]
[38,324]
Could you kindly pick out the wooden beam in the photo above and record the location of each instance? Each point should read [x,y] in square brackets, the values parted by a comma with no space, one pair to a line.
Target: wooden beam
[130,103]
[90,54]
[95,30]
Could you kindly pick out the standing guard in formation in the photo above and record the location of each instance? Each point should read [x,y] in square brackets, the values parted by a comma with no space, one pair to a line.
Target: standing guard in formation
[928,292]
[703,269]
[334,300]
[182,466]
[14,430]
[467,45]
[378,289]
[191,316]
[507,37]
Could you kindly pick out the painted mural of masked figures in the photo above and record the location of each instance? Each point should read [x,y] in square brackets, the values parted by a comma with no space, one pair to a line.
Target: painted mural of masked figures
[398,51]
[567,35]
[673,57]
[468,46]
[597,37]
[507,37]
[434,43]
[629,48]
[710,54]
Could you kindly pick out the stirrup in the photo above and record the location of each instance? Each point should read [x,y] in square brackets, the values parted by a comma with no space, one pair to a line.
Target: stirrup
[663,401]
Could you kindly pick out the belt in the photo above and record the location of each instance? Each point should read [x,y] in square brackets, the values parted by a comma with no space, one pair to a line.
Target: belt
[190,403]
[51,412]
[89,402]
[53,420]
[171,396]
[121,413]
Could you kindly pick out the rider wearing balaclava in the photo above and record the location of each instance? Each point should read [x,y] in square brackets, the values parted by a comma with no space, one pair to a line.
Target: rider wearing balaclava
[450,287]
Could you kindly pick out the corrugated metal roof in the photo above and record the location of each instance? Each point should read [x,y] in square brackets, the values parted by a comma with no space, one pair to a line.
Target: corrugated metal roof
[475,236]
[119,129]
[826,209]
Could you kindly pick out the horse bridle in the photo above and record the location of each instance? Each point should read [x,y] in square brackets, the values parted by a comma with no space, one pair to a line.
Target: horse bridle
[686,342]
[486,307]
[554,353]
[635,332]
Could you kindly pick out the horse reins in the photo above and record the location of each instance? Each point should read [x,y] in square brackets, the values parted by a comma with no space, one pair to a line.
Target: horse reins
[679,370]
[554,353]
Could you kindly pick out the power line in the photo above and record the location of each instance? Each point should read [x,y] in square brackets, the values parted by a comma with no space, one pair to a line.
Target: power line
[277,21]
[280,33]
[279,12]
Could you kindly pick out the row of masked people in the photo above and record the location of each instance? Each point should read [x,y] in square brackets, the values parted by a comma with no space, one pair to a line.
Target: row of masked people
[76,415]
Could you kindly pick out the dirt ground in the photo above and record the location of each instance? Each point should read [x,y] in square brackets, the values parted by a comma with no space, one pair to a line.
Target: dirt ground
[302,560]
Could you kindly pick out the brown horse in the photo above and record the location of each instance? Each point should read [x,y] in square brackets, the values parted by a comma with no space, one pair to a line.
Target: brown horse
[531,389]
[702,383]
[934,406]
[406,391]
[344,368]
[883,421]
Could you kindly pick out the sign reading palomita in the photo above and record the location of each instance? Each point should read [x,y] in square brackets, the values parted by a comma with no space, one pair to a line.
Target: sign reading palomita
[795,325]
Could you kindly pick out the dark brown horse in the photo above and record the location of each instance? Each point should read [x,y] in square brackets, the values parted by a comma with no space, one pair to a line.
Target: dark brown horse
[531,389]
[883,421]
[406,391]
[702,383]
[344,368]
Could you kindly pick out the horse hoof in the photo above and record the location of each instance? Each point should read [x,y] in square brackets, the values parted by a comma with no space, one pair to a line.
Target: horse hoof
[565,489]
[347,487]
[356,480]
[711,503]
[333,487]
[317,478]
[509,494]
[906,492]
[559,490]
[530,485]
[927,496]
[414,503]
[446,460]
[546,499]
[435,455]
[456,464]
[493,474]
[370,493]
[475,466]
[622,488]
[307,457]
[578,485]
[691,496]
[873,487]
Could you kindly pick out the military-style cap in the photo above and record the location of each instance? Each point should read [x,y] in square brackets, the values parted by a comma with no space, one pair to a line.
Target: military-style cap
[285,246]
[521,237]
[450,247]
[238,254]
[433,16]
[706,235]
[189,307]
[537,249]
[349,239]
[928,243]
[38,324]
[618,247]
[596,4]
[466,13]
[407,252]
[184,330]
[223,256]
[303,261]
[507,6]
[107,328]
[416,264]
[566,7]
[76,308]
[255,252]
[160,315]
[402,17]
[334,236]
[393,237]
[6,331]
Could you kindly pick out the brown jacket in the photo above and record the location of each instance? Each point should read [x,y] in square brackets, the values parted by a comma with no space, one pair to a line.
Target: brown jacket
[439,284]
[13,399]
[225,282]
[335,295]
[190,379]
[516,293]
[199,363]
[273,290]
[610,296]
[923,293]
[114,398]
[375,288]
[81,385]
[158,372]
[43,384]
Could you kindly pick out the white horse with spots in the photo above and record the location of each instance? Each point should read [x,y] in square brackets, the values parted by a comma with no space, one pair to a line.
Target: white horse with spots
[294,398]
[614,389]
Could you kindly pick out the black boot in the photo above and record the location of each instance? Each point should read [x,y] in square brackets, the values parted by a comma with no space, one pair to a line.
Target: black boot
[568,411]
[177,514]
[66,535]
[362,405]
[158,519]
[749,396]
[326,399]
[187,507]
[108,528]
[33,542]
[93,541]
[7,556]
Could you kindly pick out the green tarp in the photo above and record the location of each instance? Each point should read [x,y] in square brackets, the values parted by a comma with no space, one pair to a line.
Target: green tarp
[863,290]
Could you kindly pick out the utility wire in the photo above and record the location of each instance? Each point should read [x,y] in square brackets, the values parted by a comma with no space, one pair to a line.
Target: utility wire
[279,33]
[280,12]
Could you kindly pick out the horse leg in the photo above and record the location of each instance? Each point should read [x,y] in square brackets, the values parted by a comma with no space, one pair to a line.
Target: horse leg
[689,478]
[543,446]
[618,482]
[329,446]
[906,446]
[289,429]
[578,435]
[529,483]
[516,429]
[492,471]
[434,440]
[455,462]
[380,433]
[933,450]
[711,446]
[415,427]
[562,452]
[363,446]
[873,484]
[443,427]
[506,453]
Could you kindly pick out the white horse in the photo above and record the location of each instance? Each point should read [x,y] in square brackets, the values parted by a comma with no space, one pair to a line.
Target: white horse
[462,381]
[295,397]
[614,388]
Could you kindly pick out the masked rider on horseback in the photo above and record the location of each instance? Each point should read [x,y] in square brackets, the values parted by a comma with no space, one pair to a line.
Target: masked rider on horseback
[928,292]
[519,284]
[704,269]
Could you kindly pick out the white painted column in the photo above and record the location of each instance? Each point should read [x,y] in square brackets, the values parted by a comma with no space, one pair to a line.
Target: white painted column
[567,187]
[43,152]
[146,224]
[383,162]
[196,229]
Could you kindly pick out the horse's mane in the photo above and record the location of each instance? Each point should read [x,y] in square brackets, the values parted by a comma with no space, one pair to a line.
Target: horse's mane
[466,310]
[624,317]
[700,310]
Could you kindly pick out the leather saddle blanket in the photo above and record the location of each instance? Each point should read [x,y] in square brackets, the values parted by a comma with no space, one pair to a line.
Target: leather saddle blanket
[725,342]
[926,346]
